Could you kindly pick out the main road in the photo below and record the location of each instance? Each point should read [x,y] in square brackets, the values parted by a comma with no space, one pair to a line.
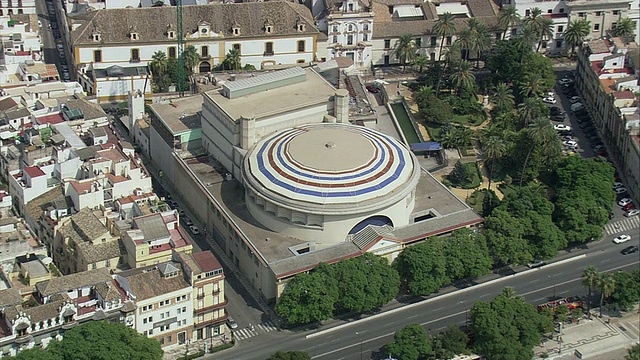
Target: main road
[366,339]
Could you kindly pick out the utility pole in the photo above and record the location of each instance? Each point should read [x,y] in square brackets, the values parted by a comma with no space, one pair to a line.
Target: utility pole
[181,69]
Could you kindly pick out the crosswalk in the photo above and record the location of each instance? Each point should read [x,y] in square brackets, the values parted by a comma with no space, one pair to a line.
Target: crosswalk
[622,225]
[245,333]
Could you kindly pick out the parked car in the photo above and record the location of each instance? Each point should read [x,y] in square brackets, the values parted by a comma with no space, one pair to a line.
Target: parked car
[598,148]
[232,323]
[554,110]
[574,99]
[624,201]
[629,207]
[188,221]
[622,238]
[549,100]
[372,89]
[617,184]
[605,154]
[557,117]
[535,264]
[562,127]
[629,250]
[633,212]
[565,81]
[194,230]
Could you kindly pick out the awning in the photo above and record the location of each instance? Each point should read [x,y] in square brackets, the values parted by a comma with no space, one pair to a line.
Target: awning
[426,146]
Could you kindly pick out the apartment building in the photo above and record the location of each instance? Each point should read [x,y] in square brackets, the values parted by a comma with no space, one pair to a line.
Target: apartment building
[602,15]
[608,82]
[11,7]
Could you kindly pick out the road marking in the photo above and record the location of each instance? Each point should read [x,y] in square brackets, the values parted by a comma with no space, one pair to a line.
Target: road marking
[604,261]
[485,295]
[533,281]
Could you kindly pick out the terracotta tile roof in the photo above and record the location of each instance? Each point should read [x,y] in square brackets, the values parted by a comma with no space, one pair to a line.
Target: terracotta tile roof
[114,24]
[206,261]
[108,291]
[50,119]
[624,94]
[83,226]
[73,281]
[34,171]
[150,283]
[101,252]
[8,104]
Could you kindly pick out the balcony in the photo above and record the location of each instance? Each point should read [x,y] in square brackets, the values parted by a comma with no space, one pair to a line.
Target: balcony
[199,325]
[23,339]
[210,308]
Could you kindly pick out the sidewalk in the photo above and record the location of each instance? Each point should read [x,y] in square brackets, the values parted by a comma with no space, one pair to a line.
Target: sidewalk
[596,339]
[193,347]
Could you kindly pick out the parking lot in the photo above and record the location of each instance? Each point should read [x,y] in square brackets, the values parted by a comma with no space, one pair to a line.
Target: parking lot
[580,136]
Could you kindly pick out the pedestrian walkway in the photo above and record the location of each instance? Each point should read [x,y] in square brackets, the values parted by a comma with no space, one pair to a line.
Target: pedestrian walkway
[248,332]
[619,226]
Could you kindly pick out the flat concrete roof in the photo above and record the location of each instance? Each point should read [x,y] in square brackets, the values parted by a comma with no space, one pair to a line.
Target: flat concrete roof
[315,89]
[180,115]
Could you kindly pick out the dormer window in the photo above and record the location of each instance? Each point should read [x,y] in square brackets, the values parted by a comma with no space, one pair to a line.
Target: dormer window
[96,37]
[171,34]
[204,29]
[133,36]
[236,31]
[268,29]
[301,27]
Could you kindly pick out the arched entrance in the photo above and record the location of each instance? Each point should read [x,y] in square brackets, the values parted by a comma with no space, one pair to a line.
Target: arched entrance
[204,67]
[379,220]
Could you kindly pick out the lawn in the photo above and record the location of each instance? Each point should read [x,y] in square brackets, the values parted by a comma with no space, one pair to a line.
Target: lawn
[468,120]
[434,131]
[476,201]
[473,179]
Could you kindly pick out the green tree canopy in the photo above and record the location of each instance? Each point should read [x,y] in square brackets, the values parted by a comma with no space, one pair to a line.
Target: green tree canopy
[410,343]
[507,328]
[453,341]
[290,355]
[627,289]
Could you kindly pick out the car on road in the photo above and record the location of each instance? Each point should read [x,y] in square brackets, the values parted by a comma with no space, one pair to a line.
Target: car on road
[619,190]
[173,204]
[557,117]
[633,212]
[574,99]
[554,110]
[232,323]
[562,127]
[629,250]
[570,143]
[629,207]
[549,100]
[188,221]
[624,201]
[372,89]
[535,264]
[622,238]
[565,81]
[617,184]
[194,230]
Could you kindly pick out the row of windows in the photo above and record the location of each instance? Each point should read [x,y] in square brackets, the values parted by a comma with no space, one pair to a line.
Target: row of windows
[204,51]
[10,12]
[597,13]
[350,38]
[350,28]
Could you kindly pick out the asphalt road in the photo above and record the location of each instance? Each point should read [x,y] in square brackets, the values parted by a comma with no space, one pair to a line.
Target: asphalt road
[365,339]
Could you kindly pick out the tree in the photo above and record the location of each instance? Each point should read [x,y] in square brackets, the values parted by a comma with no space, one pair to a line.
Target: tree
[589,279]
[539,133]
[104,340]
[436,110]
[420,61]
[507,328]
[290,355]
[405,50]
[624,27]
[633,353]
[462,77]
[459,173]
[467,255]
[606,284]
[575,32]
[35,353]
[508,18]
[364,283]
[424,266]
[191,58]
[444,27]
[233,60]
[423,95]
[502,98]
[480,37]
[465,41]
[158,64]
[494,149]
[453,341]
[308,297]
[627,290]
[410,343]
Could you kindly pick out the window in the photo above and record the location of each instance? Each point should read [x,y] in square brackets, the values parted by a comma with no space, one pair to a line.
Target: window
[549,11]
[268,29]
[544,45]
[97,56]
[434,41]
[527,12]
[616,12]
[171,34]
[93,266]
[613,25]
[581,14]
[350,27]
[335,28]
[596,27]
[335,39]
[301,46]
[204,51]
[350,7]
[449,40]
[560,28]
[558,44]
[365,37]
[268,48]
[418,42]
[598,13]
[134,36]
[561,11]
[349,39]
[387,44]
[236,31]
[172,52]
[498,36]
[237,47]
[135,54]
[365,27]
[432,56]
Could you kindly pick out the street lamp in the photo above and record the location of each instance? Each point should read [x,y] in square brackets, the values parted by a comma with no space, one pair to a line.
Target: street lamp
[554,286]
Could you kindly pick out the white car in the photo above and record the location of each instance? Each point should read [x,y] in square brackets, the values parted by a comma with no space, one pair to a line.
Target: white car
[633,212]
[622,238]
[620,190]
[570,143]
[562,127]
[194,230]
[565,81]
[616,184]
[624,201]
[549,100]
[574,99]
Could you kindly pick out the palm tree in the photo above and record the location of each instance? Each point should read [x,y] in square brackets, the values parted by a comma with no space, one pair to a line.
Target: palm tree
[463,77]
[525,40]
[532,87]
[158,64]
[545,31]
[589,279]
[465,41]
[480,37]
[606,284]
[575,33]
[624,27]
[420,61]
[494,149]
[502,98]
[528,110]
[405,50]
[508,18]
[539,132]
[423,94]
[444,27]
[233,59]
[191,58]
